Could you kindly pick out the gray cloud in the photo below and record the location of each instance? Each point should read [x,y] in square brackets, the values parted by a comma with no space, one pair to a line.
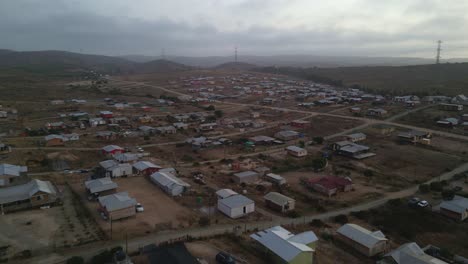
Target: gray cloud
[251,25]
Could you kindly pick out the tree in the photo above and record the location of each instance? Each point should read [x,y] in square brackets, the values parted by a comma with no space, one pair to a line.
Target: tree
[341,219]
[319,163]
[210,108]
[218,113]
[301,143]
[318,140]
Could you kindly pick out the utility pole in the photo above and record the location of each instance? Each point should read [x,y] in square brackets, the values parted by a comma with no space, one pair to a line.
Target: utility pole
[163,53]
[439,44]
[235,53]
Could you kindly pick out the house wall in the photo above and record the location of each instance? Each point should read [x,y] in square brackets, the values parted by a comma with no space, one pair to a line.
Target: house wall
[121,171]
[41,198]
[122,213]
[246,179]
[454,215]
[321,189]
[378,248]
[175,190]
[297,154]
[280,208]
[236,212]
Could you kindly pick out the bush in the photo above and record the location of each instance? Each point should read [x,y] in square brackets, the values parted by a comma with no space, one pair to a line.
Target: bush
[395,202]
[218,113]
[436,186]
[210,108]
[424,188]
[368,173]
[341,219]
[318,140]
[204,221]
[317,223]
[103,257]
[319,163]
[75,260]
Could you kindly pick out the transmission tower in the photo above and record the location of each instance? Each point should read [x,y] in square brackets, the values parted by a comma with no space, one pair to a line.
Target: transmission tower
[439,44]
[235,53]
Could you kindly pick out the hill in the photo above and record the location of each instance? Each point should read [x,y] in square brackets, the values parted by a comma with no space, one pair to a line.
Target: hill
[240,66]
[160,66]
[448,79]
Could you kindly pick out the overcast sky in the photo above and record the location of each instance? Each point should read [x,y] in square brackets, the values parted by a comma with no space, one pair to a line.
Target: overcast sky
[257,27]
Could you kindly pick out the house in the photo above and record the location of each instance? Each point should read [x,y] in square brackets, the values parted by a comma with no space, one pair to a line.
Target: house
[111,150]
[179,118]
[117,206]
[166,130]
[451,107]
[106,135]
[356,137]
[262,170]
[457,208]
[287,135]
[101,186]
[296,151]
[71,137]
[300,123]
[147,130]
[106,114]
[275,178]
[415,136]
[3,114]
[126,157]
[98,121]
[236,206]
[12,175]
[34,193]
[56,125]
[369,243]
[4,148]
[225,193]
[285,247]
[180,125]
[409,253]
[207,126]
[113,169]
[377,112]
[245,177]
[330,185]
[54,140]
[262,140]
[460,99]
[353,150]
[279,202]
[169,183]
[145,168]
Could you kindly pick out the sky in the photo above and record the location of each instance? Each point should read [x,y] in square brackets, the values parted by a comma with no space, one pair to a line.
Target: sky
[382,28]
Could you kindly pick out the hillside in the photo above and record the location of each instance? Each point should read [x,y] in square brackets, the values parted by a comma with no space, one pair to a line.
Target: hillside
[239,66]
[160,66]
[450,79]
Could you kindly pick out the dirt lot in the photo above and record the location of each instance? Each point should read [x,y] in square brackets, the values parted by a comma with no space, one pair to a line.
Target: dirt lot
[161,211]
[38,230]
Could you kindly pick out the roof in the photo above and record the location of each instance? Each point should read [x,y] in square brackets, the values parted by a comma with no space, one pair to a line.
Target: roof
[110,148]
[100,185]
[283,243]
[287,133]
[278,198]
[108,164]
[458,204]
[295,149]
[53,136]
[412,133]
[261,138]
[143,165]
[245,174]
[25,191]
[168,179]
[356,135]
[235,201]
[353,148]
[331,182]
[361,235]
[411,253]
[126,157]
[12,170]
[117,201]
[224,193]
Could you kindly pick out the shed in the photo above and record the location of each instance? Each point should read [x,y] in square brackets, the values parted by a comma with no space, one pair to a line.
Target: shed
[32,194]
[369,243]
[457,208]
[236,206]
[356,137]
[246,177]
[275,178]
[225,193]
[145,168]
[118,205]
[296,151]
[279,202]
[101,186]
[169,183]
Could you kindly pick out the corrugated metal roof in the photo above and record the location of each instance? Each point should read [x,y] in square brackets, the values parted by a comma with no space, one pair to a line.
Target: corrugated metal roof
[278,198]
[411,253]
[12,170]
[458,204]
[117,201]
[224,193]
[361,235]
[100,185]
[167,179]
[143,165]
[235,201]
[283,243]
[25,191]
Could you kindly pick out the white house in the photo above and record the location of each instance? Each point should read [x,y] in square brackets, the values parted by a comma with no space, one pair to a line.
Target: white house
[236,206]
[169,183]
[114,169]
[296,151]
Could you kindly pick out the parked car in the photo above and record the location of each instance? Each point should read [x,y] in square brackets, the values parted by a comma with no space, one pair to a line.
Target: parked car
[139,208]
[224,258]
[423,204]
[413,202]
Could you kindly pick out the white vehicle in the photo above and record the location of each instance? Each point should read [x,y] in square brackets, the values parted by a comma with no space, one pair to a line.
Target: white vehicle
[139,208]
[423,203]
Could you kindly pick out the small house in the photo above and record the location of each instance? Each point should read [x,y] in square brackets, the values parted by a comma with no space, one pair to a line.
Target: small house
[147,130]
[245,177]
[126,157]
[97,121]
[166,130]
[111,150]
[112,168]
[356,137]
[330,185]
[457,208]
[169,183]
[54,140]
[117,206]
[352,150]
[4,148]
[286,247]
[279,202]
[409,253]
[225,193]
[415,136]
[101,186]
[369,243]
[207,126]
[451,107]
[236,206]
[12,174]
[106,114]
[287,135]
[377,112]
[106,135]
[275,179]
[262,140]
[145,168]
[296,151]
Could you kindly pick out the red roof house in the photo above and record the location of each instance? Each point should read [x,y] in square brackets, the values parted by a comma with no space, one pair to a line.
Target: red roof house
[330,185]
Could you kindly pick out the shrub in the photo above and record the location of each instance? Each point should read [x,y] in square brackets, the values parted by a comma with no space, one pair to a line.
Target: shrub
[210,108]
[368,173]
[424,188]
[293,214]
[395,202]
[317,223]
[341,219]
[75,260]
[103,257]
[448,194]
[204,221]
[218,113]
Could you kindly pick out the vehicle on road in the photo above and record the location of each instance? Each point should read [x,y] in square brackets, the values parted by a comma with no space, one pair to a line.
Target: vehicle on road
[139,208]
[224,258]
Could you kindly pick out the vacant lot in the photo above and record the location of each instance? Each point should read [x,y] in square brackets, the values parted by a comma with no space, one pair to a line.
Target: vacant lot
[161,211]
